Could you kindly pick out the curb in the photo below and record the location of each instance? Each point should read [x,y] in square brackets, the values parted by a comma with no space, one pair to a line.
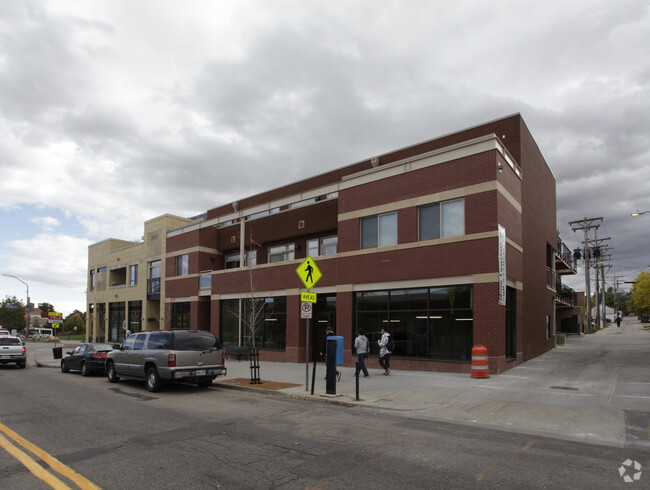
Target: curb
[312,398]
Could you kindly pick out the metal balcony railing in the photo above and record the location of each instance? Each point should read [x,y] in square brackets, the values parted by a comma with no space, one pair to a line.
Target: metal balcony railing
[565,294]
[565,254]
[153,285]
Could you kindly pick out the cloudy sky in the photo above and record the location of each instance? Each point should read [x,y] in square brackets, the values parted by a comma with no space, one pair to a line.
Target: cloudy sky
[114,112]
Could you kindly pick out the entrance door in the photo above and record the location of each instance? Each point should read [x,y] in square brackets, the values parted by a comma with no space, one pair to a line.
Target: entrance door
[324,316]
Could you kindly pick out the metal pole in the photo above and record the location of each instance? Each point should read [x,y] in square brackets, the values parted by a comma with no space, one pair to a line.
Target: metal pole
[307,357]
[587,278]
[27,316]
[356,374]
[602,302]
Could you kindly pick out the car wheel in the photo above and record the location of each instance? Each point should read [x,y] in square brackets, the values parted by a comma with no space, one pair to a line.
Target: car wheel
[204,383]
[64,367]
[111,373]
[22,365]
[84,369]
[153,381]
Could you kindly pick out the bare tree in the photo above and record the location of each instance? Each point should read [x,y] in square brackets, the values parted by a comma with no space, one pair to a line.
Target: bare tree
[252,311]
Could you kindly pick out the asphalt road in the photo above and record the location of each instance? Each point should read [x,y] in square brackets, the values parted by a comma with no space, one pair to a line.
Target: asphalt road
[121,436]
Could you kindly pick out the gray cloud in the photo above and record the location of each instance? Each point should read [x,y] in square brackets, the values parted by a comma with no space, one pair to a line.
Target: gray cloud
[134,110]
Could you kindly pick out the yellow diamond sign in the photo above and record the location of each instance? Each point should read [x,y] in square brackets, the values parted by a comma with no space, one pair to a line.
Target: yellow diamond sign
[309,273]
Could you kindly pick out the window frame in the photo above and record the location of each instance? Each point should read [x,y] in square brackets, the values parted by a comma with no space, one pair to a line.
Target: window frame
[375,240]
[426,230]
[286,251]
[133,275]
[317,246]
[182,265]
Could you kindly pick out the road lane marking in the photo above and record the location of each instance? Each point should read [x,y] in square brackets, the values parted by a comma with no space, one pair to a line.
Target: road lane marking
[36,469]
[51,461]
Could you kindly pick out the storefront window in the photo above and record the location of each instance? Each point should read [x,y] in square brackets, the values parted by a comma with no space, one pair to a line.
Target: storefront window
[434,323]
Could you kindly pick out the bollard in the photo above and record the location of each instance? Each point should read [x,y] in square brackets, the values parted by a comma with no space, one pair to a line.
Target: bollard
[480,362]
[356,375]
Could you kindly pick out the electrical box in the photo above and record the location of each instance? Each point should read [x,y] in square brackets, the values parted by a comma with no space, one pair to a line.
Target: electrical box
[339,347]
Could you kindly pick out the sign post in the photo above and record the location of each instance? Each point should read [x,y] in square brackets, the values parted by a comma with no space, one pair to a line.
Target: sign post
[55,319]
[309,274]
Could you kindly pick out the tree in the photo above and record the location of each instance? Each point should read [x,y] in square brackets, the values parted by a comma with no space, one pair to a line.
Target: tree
[74,320]
[12,314]
[45,309]
[252,311]
[641,294]
[77,312]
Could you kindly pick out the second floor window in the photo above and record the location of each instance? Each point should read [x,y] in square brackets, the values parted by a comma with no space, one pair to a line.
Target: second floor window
[233,261]
[442,219]
[281,253]
[182,265]
[322,246]
[379,230]
[133,275]
[153,279]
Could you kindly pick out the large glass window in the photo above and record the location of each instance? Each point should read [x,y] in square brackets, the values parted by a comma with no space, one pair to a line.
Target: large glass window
[263,318]
[135,316]
[442,219]
[379,231]
[116,322]
[230,322]
[181,315]
[434,323]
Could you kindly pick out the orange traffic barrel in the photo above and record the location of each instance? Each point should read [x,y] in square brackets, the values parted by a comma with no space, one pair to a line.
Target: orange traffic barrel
[480,362]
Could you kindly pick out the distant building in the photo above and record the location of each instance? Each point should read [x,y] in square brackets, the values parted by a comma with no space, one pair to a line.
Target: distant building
[447,244]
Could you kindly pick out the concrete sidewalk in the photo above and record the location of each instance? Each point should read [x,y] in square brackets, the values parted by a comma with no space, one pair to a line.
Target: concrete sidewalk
[594,389]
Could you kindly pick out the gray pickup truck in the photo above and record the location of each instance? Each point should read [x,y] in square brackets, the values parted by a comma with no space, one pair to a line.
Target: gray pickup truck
[157,356]
[12,350]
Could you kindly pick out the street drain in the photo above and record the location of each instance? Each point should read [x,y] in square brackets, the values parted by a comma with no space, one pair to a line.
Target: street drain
[564,388]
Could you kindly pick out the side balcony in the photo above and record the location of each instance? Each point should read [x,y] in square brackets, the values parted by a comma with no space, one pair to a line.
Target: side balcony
[565,263]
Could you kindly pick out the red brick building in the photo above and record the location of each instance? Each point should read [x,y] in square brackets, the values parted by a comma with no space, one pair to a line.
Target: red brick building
[408,240]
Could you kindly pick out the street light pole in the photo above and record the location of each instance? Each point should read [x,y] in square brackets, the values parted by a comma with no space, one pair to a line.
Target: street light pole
[26,306]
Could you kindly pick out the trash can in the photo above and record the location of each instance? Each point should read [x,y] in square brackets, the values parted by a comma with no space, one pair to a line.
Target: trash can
[57,352]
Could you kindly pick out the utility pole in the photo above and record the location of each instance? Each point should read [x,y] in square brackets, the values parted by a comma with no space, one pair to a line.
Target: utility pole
[599,254]
[585,225]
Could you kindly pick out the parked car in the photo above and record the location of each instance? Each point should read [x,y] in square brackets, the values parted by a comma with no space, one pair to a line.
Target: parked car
[12,350]
[157,356]
[87,358]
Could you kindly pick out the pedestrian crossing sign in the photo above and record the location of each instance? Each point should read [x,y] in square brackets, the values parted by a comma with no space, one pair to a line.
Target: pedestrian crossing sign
[309,273]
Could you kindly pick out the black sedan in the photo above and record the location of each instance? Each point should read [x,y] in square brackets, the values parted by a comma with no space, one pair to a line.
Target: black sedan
[87,358]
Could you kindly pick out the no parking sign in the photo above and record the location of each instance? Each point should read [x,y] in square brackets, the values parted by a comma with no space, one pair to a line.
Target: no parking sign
[305,310]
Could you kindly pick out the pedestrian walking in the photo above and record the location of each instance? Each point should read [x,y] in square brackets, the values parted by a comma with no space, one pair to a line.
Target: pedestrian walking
[362,345]
[618,321]
[384,353]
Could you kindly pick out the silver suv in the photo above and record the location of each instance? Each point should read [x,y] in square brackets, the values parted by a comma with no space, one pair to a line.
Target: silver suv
[12,349]
[194,356]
